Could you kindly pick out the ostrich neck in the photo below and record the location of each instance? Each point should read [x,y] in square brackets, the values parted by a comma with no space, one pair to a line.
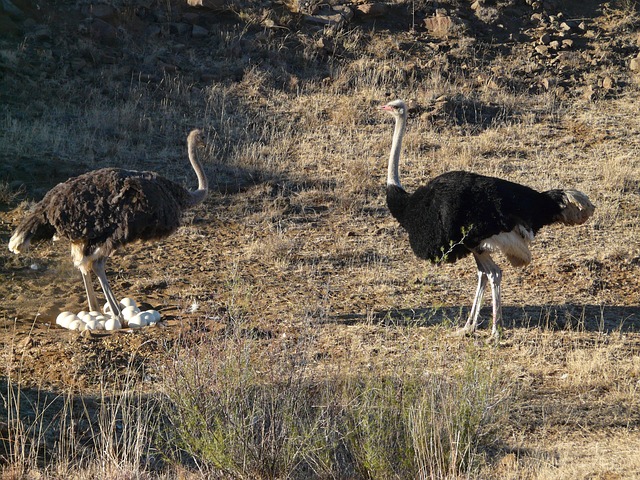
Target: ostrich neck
[393,176]
[198,195]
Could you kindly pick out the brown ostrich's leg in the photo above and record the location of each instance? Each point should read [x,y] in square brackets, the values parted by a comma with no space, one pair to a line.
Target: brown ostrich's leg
[91,294]
[99,270]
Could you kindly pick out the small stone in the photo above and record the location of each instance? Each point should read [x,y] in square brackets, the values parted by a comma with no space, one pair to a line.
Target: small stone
[634,64]
[608,83]
[537,17]
[567,43]
[542,50]
[210,4]
[555,45]
[439,26]
[372,9]
[548,83]
[589,92]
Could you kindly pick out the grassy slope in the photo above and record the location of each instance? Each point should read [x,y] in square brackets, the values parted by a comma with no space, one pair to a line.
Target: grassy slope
[296,241]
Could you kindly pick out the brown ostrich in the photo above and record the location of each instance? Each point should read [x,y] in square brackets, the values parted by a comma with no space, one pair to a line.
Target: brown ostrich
[105,209]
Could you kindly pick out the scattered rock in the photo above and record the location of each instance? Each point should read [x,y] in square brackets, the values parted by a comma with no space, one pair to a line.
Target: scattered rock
[335,16]
[572,26]
[608,83]
[548,83]
[372,9]
[440,25]
[634,64]
[589,92]
[542,50]
[209,4]
[538,18]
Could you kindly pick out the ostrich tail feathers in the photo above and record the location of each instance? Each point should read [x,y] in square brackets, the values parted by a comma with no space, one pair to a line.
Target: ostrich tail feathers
[33,227]
[576,207]
[19,242]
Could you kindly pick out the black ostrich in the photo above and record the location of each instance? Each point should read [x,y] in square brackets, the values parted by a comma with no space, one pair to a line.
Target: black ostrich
[105,209]
[460,213]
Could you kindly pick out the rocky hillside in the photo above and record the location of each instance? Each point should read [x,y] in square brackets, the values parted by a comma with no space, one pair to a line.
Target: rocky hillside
[587,49]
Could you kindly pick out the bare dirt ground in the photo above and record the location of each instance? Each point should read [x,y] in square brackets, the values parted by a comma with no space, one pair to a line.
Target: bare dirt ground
[295,239]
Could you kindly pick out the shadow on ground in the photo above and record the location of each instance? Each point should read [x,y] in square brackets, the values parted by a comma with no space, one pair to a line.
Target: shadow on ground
[592,318]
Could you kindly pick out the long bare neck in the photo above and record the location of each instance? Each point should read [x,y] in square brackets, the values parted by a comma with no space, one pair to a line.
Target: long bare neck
[393,175]
[198,195]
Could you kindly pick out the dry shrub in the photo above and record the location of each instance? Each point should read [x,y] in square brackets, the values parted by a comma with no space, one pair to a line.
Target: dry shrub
[236,412]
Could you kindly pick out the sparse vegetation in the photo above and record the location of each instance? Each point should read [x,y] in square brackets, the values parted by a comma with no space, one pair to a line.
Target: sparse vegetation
[303,339]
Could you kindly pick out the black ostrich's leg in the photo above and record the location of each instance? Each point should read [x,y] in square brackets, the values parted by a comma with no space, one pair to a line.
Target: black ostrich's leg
[488,272]
[474,314]
[494,274]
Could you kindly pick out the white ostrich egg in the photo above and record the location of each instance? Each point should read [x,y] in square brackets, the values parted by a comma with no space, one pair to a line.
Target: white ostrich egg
[76,325]
[112,324]
[82,314]
[155,316]
[91,325]
[101,324]
[128,302]
[139,321]
[61,315]
[129,312]
[107,308]
[66,319]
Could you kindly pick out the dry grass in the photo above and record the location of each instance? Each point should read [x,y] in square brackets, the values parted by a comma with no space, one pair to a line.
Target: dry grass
[305,339]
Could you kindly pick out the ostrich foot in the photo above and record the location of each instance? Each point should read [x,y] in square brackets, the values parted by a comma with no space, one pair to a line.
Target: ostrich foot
[495,337]
[463,332]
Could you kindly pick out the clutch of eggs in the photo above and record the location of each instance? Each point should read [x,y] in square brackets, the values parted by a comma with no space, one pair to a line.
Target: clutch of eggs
[131,315]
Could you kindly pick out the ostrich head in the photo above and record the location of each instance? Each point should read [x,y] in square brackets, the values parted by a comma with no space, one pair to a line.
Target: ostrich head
[196,138]
[397,108]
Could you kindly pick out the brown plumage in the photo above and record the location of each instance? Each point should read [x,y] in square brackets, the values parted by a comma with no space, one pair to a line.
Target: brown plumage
[105,209]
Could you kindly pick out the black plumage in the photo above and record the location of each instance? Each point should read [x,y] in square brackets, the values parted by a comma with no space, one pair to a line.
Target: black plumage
[460,213]
[103,210]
